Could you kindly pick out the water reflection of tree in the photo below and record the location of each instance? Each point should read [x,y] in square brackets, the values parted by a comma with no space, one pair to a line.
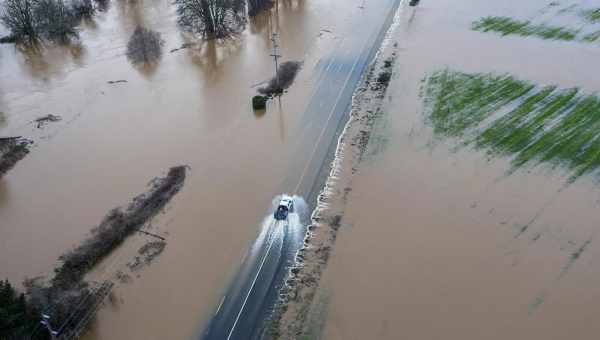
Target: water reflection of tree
[48,61]
[293,5]
[260,22]
[3,119]
[131,14]
[284,18]
[210,55]
[4,192]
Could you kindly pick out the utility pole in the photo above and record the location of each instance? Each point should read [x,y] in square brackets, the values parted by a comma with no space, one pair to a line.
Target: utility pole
[276,57]
[362,5]
[46,322]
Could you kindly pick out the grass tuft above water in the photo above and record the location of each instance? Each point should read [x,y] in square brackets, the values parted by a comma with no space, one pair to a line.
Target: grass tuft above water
[591,15]
[507,26]
[591,37]
[512,117]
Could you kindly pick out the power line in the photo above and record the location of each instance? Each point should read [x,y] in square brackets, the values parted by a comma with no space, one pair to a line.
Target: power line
[92,292]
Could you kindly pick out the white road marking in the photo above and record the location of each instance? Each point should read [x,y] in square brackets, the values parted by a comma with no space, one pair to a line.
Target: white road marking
[251,287]
[337,100]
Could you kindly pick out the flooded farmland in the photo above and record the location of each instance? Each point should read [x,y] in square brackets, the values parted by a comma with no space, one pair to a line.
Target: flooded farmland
[116,126]
[459,226]
[469,210]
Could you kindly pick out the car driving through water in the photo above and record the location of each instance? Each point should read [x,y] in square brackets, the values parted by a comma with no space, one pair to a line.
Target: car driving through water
[285,206]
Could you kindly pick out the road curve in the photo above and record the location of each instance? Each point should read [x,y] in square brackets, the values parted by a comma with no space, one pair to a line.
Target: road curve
[251,295]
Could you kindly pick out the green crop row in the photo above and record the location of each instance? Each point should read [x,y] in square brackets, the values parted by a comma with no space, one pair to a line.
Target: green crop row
[511,117]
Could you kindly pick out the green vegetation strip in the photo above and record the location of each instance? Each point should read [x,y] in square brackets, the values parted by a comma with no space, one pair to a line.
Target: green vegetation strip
[591,15]
[512,117]
[507,26]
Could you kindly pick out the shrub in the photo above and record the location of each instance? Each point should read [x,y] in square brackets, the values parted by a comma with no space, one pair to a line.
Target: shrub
[384,77]
[285,77]
[144,46]
[259,102]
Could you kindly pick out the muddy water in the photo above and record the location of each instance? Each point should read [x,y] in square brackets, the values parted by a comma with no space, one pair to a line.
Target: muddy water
[432,244]
[191,108]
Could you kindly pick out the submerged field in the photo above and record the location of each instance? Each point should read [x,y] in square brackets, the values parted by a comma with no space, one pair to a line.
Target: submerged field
[506,26]
[494,182]
[567,24]
[511,117]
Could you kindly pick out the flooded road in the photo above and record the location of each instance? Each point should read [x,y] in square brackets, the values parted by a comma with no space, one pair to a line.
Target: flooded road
[247,302]
[192,108]
[432,244]
[251,297]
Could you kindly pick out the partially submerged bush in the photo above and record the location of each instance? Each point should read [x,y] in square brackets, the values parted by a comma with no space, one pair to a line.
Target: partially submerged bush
[144,46]
[384,77]
[12,150]
[285,77]
[259,102]
[9,39]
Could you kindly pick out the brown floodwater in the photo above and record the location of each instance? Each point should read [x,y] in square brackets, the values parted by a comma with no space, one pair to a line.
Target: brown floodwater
[193,108]
[430,246]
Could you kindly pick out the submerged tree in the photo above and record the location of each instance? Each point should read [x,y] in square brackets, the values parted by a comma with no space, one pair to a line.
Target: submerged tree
[55,21]
[144,46]
[214,19]
[18,17]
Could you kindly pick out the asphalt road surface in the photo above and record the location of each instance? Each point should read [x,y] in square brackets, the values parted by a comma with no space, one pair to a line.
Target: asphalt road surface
[252,294]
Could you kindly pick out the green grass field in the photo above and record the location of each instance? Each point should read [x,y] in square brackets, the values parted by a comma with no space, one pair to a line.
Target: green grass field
[511,117]
[525,28]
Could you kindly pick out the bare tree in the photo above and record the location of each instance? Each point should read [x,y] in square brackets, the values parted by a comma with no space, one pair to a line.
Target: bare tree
[55,21]
[214,19]
[144,46]
[17,16]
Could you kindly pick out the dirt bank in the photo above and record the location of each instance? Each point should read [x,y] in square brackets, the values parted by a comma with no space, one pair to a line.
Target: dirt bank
[12,150]
[68,295]
[290,320]
[116,226]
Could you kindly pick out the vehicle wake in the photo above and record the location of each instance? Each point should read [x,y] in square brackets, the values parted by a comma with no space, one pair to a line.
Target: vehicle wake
[260,275]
